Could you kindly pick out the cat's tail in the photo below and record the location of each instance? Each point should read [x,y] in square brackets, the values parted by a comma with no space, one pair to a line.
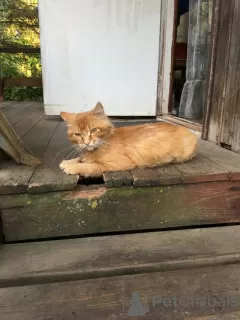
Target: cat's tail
[189,145]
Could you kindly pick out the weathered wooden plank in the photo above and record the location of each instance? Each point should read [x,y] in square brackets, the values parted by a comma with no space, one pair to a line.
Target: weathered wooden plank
[4,104]
[22,81]
[221,70]
[166,175]
[231,94]
[212,67]
[222,157]
[228,316]
[236,126]
[38,138]
[181,121]
[200,169]
[236,129]
[127,178]
[185,294]
[15,178]
[144,177]
[25,125]
[48,176]
[46,262]
[18,111]
[107,178]
[117,179]
[102,210]
[19,50]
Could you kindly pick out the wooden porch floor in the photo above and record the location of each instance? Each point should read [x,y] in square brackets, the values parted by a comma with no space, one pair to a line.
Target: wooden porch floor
[46,138]
[101,246]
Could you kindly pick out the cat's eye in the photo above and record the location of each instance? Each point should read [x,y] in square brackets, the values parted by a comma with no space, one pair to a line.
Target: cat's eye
[94,130]
[77,134]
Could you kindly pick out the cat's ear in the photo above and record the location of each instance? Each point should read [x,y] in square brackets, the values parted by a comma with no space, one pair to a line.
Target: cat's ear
[66,116]
[98,111]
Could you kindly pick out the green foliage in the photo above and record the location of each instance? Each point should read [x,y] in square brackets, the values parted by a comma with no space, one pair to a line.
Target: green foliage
[19,27]
[23,94]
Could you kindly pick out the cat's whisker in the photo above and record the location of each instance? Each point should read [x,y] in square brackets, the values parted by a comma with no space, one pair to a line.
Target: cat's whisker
[74,152]
[65,149]
[69,156]
[61,152]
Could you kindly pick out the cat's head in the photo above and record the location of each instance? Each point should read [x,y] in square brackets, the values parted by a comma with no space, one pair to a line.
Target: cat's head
[89,130]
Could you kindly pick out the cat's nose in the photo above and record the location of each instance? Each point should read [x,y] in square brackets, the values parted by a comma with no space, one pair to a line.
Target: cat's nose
[87,142]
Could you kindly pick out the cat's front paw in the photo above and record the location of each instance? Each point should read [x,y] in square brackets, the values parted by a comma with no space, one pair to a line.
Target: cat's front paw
[71,169]
[63,164]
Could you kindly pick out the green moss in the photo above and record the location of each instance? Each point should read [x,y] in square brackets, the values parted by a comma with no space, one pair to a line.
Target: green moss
[120,209]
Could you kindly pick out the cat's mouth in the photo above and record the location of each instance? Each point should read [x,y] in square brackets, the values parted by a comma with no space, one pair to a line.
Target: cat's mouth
[89,147]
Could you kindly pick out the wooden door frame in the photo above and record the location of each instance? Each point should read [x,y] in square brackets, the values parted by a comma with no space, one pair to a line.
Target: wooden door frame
[168,26]
[208,128]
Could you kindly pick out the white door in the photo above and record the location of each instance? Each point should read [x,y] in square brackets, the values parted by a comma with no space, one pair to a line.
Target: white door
[100,50]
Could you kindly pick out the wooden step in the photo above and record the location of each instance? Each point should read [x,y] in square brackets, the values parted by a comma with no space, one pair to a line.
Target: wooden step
[100,210]
[210,293]
[75,259]
[46,137]
[185,274]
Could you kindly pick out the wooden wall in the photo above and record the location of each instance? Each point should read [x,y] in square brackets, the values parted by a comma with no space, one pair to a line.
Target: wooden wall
[224,124]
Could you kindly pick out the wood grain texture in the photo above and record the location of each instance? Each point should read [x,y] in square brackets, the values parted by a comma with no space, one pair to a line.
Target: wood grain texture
[222,157]
[48,176]
[15,178]
[6,103]
[117,179]
[225,119]
[38,138]
[166,175]
[87,211]
[38,134]
[200,169]
[18,111]
[19,50]
[127,178]
[99,257]
[232,81]
[25,125]
[221,70]
[111,298]
[181,121]
[228,316]
[236,125]
[22,81]
[212,67]
[107,178]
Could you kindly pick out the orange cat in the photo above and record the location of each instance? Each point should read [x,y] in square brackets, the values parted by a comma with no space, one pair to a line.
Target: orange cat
[104,148]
